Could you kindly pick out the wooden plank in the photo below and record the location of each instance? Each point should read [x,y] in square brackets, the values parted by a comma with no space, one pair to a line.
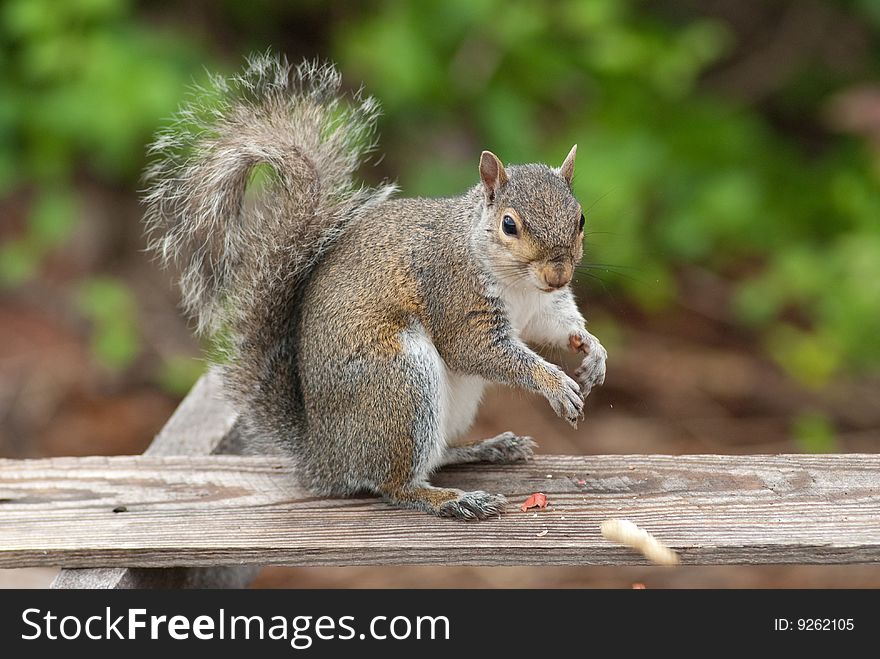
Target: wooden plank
[176,577]
[221,510]
[202,424]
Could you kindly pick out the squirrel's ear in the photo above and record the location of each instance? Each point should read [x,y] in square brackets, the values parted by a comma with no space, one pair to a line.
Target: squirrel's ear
[492,174]
[567,169]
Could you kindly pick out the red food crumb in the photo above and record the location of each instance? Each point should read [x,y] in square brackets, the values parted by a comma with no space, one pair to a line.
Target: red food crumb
[537,500]
[638,586]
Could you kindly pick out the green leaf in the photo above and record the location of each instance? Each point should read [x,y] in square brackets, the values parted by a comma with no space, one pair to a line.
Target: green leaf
[809,358]
[109,305]
[814,433]
[18,263]
[177,374]
[52,218]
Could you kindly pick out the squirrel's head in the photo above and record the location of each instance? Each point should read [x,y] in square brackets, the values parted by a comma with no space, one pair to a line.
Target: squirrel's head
[534,223]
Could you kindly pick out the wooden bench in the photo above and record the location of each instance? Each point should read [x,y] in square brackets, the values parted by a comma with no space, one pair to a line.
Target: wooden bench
[186,514]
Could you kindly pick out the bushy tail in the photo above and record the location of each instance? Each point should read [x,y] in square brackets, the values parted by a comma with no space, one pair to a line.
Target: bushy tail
[241,263]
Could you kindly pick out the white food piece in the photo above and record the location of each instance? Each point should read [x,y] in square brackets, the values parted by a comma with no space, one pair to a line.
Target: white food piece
[624,532]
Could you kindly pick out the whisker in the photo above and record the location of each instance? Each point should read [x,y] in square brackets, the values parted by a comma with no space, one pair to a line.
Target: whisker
[602,282]
[586,271]
[598,200]
[518,278]
[603,266]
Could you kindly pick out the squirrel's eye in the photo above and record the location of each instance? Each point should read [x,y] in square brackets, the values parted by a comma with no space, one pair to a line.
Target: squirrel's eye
[581,226]
[508,226]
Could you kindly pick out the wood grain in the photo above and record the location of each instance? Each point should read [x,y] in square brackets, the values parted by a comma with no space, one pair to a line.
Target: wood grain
[224,510]
[202,424]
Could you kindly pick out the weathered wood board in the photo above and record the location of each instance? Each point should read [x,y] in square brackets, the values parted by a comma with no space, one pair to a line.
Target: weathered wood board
[226,510]
[203,424]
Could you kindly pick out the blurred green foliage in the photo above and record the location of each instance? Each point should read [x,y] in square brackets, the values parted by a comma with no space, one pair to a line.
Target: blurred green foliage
[84,84]
[82,87]
[814,433]
[109,305]
[674,175]
[178,373]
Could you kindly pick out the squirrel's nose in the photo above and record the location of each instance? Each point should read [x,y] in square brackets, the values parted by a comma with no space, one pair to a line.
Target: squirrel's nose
[557,274]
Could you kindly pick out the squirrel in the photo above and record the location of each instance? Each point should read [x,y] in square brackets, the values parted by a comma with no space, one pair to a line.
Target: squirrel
[354,329]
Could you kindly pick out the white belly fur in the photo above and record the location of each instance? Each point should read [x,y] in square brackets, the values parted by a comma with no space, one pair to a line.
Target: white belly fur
[522,304]
[462,396]
[459,395]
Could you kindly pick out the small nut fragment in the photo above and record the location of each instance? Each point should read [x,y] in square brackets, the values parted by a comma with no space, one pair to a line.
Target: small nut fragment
[624,532]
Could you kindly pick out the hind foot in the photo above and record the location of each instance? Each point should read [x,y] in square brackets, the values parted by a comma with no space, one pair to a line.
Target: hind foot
[446,502]
[503,449]
[473,505]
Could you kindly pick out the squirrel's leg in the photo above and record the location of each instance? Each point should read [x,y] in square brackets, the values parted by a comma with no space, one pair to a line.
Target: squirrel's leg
[502,449]
[559,322]
[413,435]
[377,419]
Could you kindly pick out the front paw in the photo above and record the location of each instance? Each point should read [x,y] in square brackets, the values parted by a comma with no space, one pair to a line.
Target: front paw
[579,340]
[566,399]
[591,372]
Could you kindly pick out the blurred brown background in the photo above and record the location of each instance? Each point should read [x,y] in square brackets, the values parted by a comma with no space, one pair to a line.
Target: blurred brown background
[728,155]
